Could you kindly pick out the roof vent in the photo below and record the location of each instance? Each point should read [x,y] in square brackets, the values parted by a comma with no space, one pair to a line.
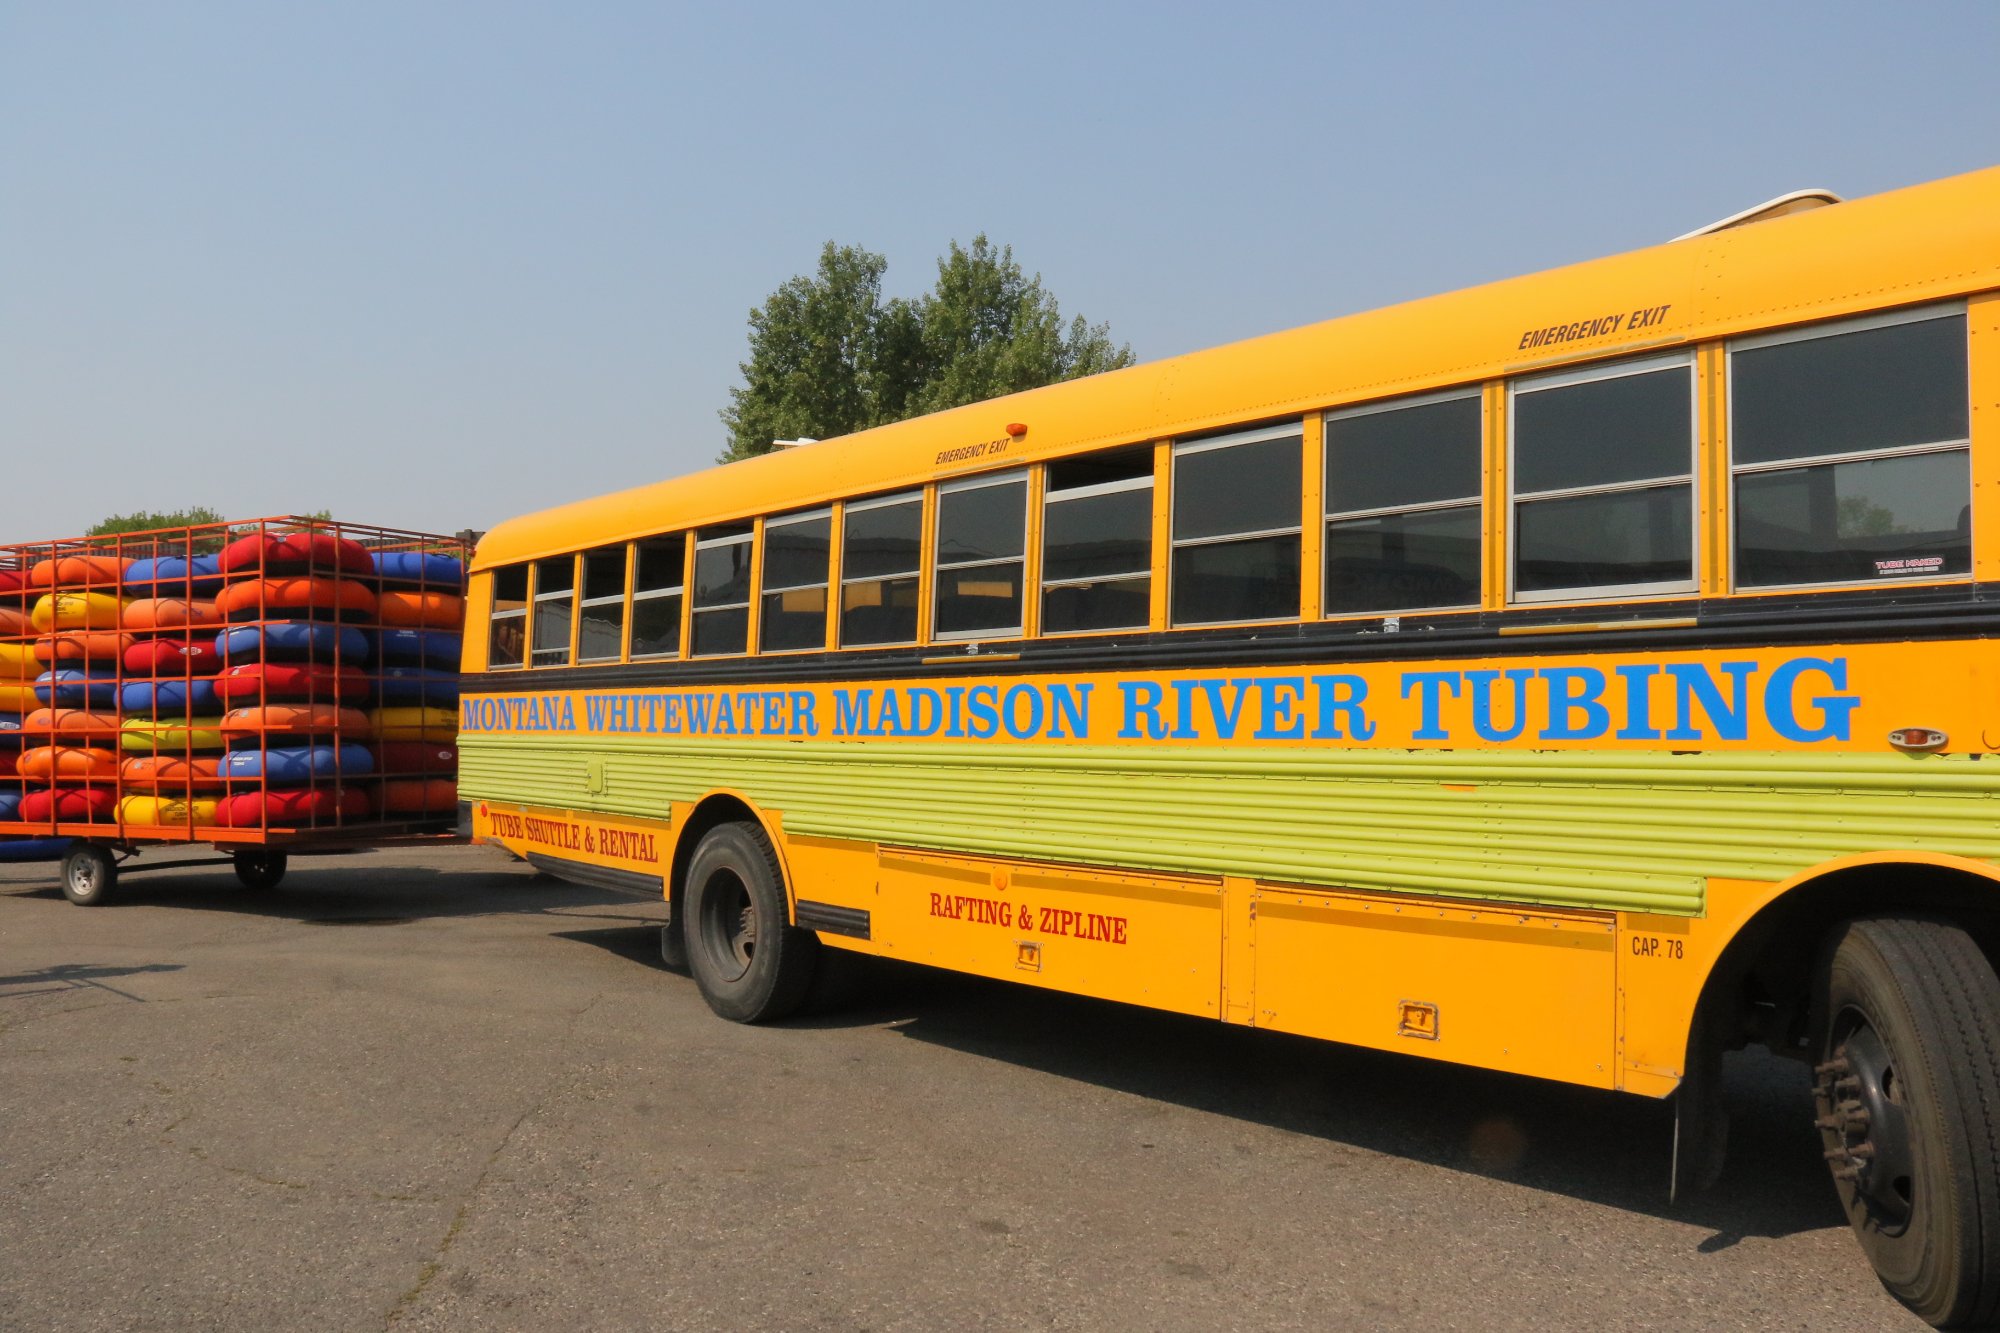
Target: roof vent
[1798,201]
[792,444]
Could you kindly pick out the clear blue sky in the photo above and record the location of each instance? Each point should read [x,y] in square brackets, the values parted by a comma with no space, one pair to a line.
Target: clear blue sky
[437,264]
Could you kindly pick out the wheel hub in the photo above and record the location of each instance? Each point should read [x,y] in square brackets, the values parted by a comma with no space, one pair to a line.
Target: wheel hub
[1865,1127]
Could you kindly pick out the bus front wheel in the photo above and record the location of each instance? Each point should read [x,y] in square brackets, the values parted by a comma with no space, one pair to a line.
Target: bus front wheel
[751,963]
[1907,1094]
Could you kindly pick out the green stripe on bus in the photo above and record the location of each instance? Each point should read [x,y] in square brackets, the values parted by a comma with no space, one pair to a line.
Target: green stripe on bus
[1637,831]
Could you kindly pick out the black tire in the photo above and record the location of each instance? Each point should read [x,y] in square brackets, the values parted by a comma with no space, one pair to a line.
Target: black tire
[89,875]
[260,868]
[1908,1098]
[751,963]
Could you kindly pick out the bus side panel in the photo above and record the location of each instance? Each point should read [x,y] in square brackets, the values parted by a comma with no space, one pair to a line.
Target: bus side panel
[1143,939]
[1520,989]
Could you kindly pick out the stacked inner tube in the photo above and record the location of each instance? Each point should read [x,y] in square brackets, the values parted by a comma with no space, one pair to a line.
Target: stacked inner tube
[260,678]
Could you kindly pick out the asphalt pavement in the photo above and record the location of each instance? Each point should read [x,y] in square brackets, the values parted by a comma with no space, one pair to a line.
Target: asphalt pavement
[430,1089]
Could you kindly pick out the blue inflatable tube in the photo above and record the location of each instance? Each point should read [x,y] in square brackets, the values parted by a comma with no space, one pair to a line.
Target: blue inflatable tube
[421,647]
[294,641]
[10,730]
[66,687]
[299,766]
[33,849]
[170,696]
[438,573]
[416,687]
[171,576]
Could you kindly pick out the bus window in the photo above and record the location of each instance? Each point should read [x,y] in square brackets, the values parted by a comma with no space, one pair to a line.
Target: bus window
[981,551]
[555,589]
[601,613]
[881,552]
[1402,505]
[1603,480]
[1236,526]
[796,550]
[1097,542]
[658,576]
[722,591]
[1852,458]
[508,641]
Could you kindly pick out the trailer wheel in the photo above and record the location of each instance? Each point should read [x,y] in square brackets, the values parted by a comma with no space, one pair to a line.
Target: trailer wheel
[89,875]
[1908,1098]
[751,963]
[260,868]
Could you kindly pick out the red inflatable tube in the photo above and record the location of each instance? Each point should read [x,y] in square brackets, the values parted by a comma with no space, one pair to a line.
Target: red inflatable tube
[15,624]
[427,610]
[292,680]
[172,657]
[65,571]
[69,804]
[419,796]
[281,598]
[12,580]
[296,552]
[254,809]
[415,758]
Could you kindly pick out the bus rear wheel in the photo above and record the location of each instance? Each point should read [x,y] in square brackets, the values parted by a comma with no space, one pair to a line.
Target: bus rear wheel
[1907,1093]
[751,964]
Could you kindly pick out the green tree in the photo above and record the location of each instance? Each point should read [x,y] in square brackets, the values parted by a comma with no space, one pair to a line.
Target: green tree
[829,356]
[145,520]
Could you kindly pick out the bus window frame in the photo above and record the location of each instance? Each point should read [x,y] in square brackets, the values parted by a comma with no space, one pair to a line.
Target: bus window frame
[748,537]
[937,567]
[1292,429]
[1476,502]
[536,597]
[524,612]
[1147,481]
[1683,358]
[1834,328]
[918,495]
[621,599]
[826,583]
[638,595]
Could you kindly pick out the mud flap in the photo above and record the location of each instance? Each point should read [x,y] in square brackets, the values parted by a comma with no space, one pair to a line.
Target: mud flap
[1701,1120]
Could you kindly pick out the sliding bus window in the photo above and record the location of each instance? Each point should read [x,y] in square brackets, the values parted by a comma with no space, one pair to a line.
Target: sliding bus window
[600,633]
[507,637]
[1603,481]
[981,555]
[1852,456]
[881,554]
[555,595]
[659,575]
[796,551]
[1236,526]
[1097,542]
[721,591]
[1402,505]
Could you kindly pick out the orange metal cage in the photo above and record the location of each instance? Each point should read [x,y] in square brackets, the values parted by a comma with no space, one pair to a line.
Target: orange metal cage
[288,681]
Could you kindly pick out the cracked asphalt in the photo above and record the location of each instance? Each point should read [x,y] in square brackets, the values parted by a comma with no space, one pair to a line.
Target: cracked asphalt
[428,1089]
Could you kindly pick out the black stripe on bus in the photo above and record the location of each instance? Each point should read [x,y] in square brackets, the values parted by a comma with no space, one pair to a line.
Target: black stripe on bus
[629,882]
[1901,615]
[834,920]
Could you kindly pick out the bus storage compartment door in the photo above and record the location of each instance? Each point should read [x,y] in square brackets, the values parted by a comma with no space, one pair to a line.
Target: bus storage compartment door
[1526,989]
[1145,939]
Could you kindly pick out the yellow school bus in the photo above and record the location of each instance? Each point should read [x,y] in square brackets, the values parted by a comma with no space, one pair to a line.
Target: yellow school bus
[1578,676]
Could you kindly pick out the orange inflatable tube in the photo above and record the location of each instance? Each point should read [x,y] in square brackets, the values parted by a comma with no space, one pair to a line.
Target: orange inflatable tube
[429,610]
[162,771]
[283,599]
[67,570]
[82,645]
[69,763]
[298,719]
[418,796]
[75,725]
[158,613]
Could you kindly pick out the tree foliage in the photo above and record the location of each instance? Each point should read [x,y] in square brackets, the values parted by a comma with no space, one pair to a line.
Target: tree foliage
[145,520]
[829,356]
